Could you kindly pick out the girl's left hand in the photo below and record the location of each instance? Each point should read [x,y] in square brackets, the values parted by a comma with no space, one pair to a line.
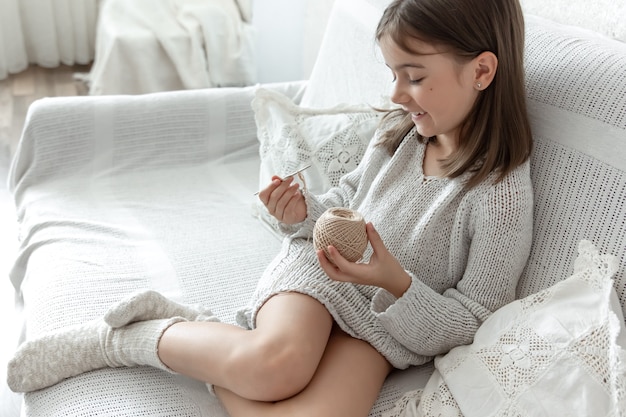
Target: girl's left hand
[383,269]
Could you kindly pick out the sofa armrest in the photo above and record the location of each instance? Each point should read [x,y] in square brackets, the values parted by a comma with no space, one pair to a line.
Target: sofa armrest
[94,136]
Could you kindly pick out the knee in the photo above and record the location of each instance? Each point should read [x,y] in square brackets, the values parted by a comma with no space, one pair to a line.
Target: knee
[277,370]
[284,369]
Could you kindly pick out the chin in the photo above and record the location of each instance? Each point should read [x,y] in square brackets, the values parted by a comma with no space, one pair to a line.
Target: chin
[425,132]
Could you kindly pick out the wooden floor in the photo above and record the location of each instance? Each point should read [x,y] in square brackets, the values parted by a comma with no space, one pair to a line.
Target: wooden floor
[18,91]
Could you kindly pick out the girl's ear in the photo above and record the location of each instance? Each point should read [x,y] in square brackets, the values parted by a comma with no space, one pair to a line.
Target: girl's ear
[486,65]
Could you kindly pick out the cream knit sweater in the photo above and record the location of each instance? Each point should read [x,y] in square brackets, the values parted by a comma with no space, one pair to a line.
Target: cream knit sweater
[465,251]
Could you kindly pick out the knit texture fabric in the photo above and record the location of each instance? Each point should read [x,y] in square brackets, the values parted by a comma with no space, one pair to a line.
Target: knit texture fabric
[47,360]
[115,194]
[151,305]
[572,332]
[465,251]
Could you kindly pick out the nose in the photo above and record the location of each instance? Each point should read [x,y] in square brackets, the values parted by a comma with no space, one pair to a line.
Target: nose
[398,95]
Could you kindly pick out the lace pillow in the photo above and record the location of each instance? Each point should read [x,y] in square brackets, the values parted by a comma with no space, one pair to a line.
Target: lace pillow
[332,140]
[560,352]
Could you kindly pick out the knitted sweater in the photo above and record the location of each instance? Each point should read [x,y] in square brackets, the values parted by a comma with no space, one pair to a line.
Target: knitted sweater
[464,250]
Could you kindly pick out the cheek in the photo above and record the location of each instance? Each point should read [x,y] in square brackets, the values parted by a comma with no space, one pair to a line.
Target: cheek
[438,99]
[426,96]
[453,99]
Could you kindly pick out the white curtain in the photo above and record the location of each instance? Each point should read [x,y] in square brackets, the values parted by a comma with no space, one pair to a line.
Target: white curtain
[46,32]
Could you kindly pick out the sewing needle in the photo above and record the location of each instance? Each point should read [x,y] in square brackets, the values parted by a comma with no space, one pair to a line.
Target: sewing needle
[291,174]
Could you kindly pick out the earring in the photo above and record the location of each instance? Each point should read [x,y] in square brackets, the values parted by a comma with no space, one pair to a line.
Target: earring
[479,85]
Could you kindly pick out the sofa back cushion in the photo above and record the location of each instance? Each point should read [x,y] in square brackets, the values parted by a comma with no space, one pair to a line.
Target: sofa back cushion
[576,96]
[602,16]
[576,88]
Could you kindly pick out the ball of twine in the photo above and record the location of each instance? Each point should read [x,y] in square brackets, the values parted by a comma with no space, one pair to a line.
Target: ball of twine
[342,228]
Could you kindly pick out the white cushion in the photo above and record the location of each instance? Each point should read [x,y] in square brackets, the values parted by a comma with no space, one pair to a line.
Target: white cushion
[576,96]
[349,67]
[332,140]
[558,352]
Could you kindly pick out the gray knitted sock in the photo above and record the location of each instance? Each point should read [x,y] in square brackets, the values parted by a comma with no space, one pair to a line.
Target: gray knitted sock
[62,354]
[151,305]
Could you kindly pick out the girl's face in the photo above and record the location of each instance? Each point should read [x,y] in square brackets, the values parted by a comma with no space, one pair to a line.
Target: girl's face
[432,86]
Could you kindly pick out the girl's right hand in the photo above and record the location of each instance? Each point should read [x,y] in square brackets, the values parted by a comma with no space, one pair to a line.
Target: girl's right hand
[283,200]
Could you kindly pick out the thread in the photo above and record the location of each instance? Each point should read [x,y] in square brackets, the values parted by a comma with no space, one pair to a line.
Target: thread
[302,181]
[342,228]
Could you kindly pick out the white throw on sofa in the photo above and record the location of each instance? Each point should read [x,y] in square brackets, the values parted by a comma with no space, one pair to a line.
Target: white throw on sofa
[119,193]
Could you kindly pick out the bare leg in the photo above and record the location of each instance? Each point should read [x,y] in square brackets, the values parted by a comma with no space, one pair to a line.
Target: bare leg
[346,384]
[272,362]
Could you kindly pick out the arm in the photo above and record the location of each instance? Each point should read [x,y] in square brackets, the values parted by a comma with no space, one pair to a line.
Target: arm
[491,262]
[297,210]
[489,258]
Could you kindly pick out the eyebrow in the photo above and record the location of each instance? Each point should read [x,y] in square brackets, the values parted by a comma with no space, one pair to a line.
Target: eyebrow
[402,66]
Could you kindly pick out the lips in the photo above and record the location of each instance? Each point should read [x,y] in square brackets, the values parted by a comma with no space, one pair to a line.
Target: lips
[417,115]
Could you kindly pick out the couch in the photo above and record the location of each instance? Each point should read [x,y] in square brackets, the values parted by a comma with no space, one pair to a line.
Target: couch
[120,193]
[161,45]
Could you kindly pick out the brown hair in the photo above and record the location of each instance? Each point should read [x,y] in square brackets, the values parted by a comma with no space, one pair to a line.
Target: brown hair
[496,134]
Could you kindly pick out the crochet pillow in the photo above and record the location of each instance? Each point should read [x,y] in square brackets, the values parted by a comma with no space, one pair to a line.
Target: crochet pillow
[331,140]
[560,351]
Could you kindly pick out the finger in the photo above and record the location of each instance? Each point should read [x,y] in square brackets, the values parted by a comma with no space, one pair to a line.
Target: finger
[294,206]
[372,235]
[343,266]
[287,199]
[277,194]
[327,266]
[264,194]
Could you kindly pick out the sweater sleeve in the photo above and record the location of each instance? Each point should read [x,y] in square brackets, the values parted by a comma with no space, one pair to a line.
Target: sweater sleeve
[489,256]
[340,196]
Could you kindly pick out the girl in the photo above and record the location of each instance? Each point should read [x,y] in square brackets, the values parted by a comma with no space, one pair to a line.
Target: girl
[446,182]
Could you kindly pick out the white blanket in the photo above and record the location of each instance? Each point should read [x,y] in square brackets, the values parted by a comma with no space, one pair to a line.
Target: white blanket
[146,46]
[114,194]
